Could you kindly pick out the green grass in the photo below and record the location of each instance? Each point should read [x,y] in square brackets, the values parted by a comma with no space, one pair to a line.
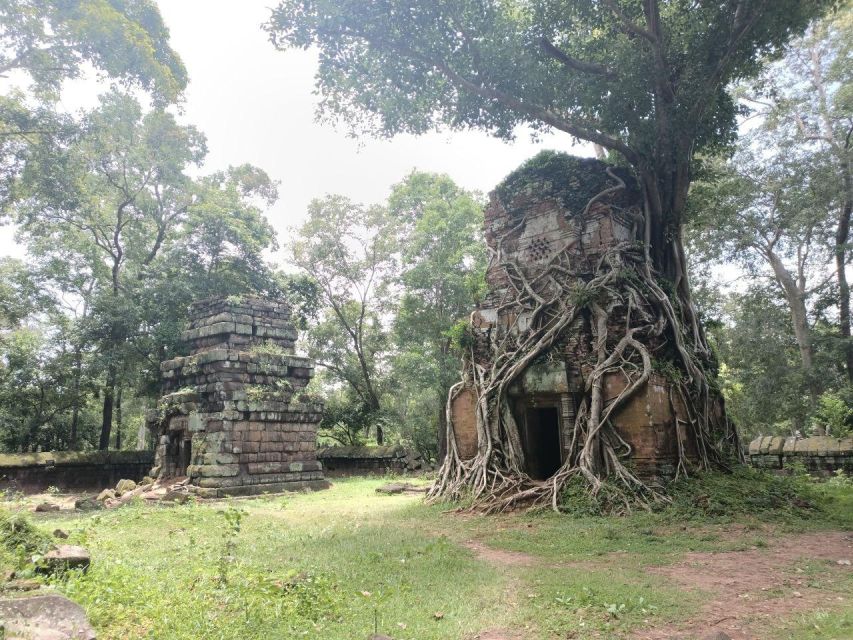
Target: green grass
[336,564]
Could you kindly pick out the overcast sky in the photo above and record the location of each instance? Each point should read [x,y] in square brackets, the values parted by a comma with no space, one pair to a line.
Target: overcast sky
[256,105]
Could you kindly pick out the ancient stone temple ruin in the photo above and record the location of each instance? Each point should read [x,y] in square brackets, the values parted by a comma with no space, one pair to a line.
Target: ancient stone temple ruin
[534,218]
[234,417]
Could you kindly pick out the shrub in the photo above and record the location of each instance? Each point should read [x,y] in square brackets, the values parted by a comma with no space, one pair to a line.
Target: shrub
[17,533]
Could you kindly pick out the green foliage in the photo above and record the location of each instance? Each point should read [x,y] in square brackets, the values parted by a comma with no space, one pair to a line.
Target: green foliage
[126,41]
[840,479]
[576,499]
[744,491]
[460,336]
[571,180]
[114,222]
[18,534]
[835,413]
[268,348]
[763,382]
[347,420]
[668,369]
[233,520]
[499,65]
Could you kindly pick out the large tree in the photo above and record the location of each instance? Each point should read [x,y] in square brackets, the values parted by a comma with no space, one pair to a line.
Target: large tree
[348,250]
[760,212]
[646,80]
[442,260]
[115,220]
[804,103]
[43,43]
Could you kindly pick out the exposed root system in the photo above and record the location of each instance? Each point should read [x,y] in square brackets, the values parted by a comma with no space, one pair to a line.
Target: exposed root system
[618,301]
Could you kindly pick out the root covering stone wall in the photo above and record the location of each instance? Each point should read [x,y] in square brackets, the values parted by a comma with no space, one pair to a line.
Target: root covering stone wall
[235,417]
[533,222]
[821,455]
[34,472]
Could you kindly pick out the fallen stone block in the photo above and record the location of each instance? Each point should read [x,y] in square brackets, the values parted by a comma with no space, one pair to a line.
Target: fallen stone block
[65,556]
[87,504]
[394,488]
[125,486]
[49,617]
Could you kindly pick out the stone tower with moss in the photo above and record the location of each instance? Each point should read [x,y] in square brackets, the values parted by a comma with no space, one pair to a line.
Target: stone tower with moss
[234,416]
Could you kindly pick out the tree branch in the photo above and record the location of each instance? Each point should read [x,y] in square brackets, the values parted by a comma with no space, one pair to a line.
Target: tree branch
[573,63]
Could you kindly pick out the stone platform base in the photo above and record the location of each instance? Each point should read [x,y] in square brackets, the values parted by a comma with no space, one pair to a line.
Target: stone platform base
[260,489]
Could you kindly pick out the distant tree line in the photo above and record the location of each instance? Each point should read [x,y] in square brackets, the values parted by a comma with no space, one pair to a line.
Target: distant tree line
[123,230]
[779,211]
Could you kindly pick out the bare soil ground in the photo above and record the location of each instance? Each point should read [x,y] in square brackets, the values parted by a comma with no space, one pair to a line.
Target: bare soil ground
[751,591]
[748,592]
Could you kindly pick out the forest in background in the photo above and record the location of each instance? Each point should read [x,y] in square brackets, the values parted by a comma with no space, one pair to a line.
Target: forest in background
[123,229]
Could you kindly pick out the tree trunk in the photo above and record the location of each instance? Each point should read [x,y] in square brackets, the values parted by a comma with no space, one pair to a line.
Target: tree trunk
[75,410]
[107,413]
[795,297]
[841,238]
[119,423]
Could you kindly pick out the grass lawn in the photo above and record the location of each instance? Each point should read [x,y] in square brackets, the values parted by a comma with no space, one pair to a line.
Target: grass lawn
[339,563]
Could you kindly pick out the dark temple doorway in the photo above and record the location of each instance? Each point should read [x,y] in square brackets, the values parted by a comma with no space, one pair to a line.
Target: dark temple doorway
[543,442]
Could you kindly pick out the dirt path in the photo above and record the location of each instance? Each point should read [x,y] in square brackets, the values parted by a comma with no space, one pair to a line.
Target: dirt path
[748,592]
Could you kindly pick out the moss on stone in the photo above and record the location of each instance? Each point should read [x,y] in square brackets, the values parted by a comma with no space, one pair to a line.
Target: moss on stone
[571,180]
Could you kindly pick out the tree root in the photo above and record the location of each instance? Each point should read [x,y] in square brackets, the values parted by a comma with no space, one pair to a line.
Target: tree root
[626,310]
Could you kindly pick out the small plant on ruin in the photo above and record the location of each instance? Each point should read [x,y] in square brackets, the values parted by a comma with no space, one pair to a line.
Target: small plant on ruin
[267,348]
[256,392]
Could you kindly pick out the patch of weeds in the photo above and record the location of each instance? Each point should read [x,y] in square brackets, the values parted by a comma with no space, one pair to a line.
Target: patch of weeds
[233,521]
[576,499]
[17,533]
[818,625]
[745,491]
[592,602]
[268,348]
[840,479]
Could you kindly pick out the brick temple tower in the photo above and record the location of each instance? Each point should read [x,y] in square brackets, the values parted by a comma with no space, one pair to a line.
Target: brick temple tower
[234,416]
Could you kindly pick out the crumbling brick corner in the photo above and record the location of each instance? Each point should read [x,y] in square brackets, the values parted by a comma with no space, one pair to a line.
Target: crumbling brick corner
[234,416]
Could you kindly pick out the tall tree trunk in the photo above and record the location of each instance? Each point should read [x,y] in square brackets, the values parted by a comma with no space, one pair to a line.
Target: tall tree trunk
[795,297]
[842,235]
[75,410]
[107,413]
[119,423]
[442,430]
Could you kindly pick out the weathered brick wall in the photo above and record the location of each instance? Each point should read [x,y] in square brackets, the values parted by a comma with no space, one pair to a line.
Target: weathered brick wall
[34,472]
[235,417]
[821,455]
[356,461]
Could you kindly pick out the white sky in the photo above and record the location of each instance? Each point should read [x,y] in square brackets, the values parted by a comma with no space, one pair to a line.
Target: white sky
[256,105]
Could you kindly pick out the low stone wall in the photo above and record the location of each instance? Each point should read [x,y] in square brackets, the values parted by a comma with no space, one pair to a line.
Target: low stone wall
[355,461]
[821,455]
[35,472]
